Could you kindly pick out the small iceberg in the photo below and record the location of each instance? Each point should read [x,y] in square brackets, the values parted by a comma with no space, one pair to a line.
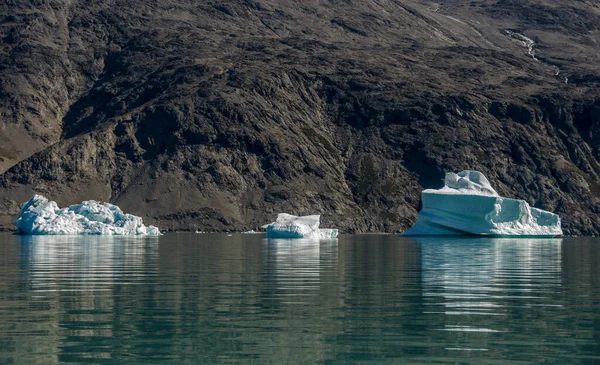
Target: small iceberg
[468,205]
[40,216]
[291,226]
[250,232]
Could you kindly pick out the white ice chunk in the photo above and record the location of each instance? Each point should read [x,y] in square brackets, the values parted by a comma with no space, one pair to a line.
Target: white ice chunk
[291,226]
[40,216]
[466,182]
[468,205]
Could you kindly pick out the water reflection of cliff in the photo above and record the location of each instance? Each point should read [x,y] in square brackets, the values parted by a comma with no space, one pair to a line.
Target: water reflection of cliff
[581,280]
[375,301]
[355,291]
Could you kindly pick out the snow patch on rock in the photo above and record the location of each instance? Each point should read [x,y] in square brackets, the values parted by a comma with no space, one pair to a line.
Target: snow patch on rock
[524,41]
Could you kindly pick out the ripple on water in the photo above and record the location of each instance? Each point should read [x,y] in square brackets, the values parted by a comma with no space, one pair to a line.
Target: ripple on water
[209,298]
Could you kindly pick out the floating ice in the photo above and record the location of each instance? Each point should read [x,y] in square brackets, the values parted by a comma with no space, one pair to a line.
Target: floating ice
[40,216]
[468,205]
[291,226]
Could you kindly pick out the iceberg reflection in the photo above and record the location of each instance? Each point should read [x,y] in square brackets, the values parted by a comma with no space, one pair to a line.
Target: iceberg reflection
[76,263]
[76,289]
[487,268]
[466,278]
[295,265]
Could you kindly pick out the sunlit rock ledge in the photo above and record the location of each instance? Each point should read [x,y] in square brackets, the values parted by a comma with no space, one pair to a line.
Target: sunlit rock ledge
[468,205]
[39,216]
[291,226]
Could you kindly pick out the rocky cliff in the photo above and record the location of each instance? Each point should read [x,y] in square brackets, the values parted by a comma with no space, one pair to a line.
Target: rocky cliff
[217,115]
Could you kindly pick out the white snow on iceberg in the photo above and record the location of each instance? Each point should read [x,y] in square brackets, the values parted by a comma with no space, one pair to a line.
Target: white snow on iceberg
[291,226]
[468,205]
[40,216]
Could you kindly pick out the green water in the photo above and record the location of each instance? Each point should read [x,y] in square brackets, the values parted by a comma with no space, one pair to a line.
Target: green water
[241,299]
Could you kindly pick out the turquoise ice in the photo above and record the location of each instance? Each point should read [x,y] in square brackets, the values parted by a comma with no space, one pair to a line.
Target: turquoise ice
[291,226]
[468,205]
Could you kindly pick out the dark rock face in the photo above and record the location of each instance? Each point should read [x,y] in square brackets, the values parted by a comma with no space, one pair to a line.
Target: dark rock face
[218,115]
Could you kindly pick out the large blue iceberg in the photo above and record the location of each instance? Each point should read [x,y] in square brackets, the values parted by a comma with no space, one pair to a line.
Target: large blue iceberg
[40,216]
[291,226]
[468,205]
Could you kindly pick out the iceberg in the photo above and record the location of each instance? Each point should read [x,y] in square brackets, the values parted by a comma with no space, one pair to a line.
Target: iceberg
[40,216]
[468,205]
[291,226]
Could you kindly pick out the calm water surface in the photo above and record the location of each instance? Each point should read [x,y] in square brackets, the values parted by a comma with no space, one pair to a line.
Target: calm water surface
[241,299]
